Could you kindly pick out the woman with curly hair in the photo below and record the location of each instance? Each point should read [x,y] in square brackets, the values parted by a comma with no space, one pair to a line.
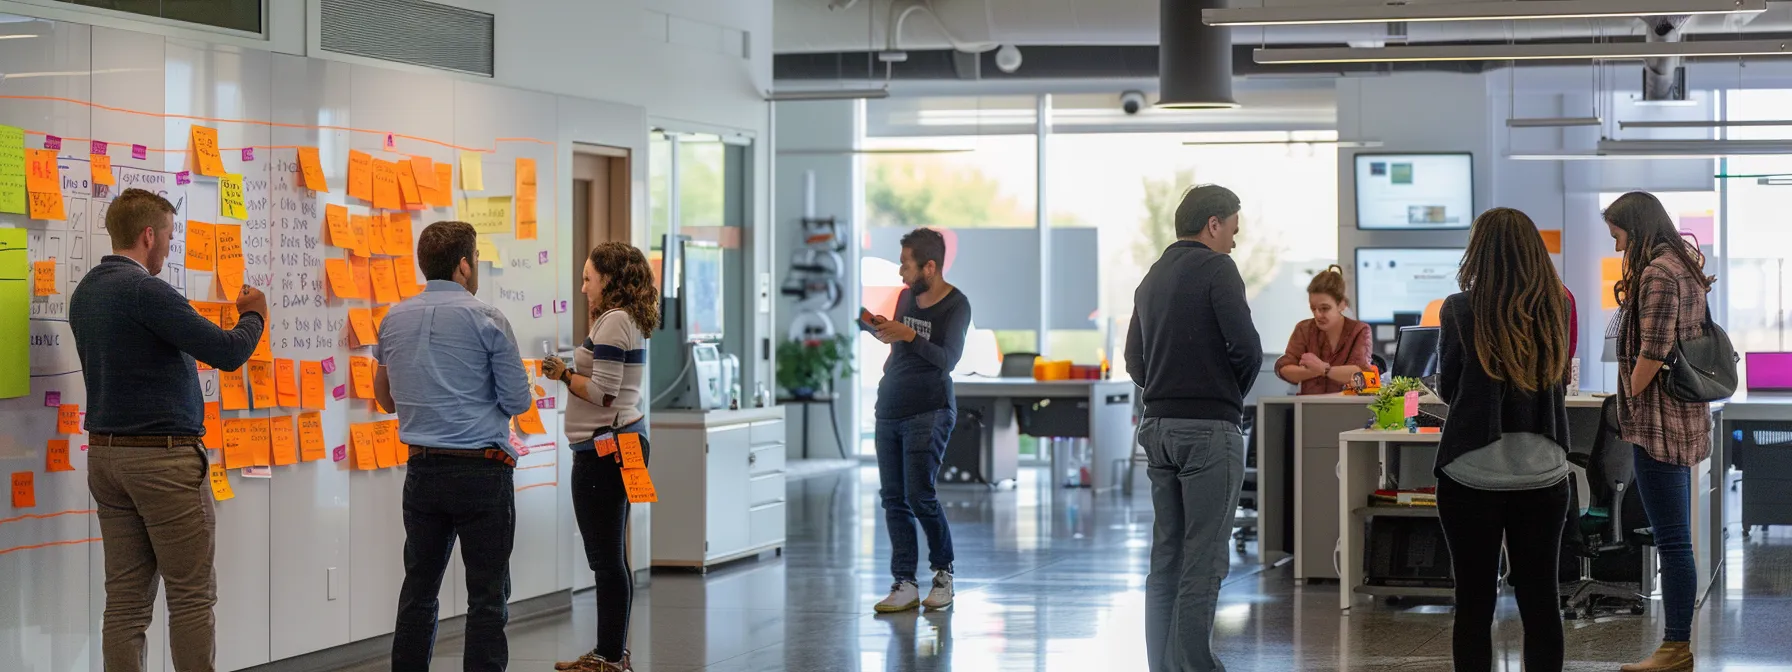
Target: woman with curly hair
[605,379]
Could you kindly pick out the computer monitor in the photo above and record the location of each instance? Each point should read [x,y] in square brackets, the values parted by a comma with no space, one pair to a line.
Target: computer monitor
[1415,356]
[1390,281]
[1415,192]
[702,291]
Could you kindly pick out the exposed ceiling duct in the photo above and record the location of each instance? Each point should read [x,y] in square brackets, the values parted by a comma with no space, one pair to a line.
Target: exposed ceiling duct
[1664,78]
[1194,69]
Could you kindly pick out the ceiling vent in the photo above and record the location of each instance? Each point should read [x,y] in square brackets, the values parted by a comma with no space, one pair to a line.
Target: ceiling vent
[410,31]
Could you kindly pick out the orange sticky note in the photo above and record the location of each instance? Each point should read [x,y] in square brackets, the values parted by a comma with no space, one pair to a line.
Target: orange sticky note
[365,457]
[264,348]
[237,453]
[233,391]
[639,486]
[606,446]
[212,312]
[385,284]
[1611,270]
[261,383]
[337,221]
[372,230]
[311,385]
[221,483]
[56,456]
[379,316]
[24,490]
[1552,240]
[631,451]
[405,267]
[360,374]
[422,166]
[311,436]
[42,175]
[102,169]
[399,240]
[361,320]
[525,219]
[312,169]
[385,186]
[261,441]
[530,422]
[68,419]
[407,183]
[43,277]
[360,229]
[385,444]
[444,185]
[214,426]
[285,440]
[227,315]
[360,175]
[205,149]
[46,205]
[357,269]
[202,246]
[286,383]
[342,283]
[525,177]
[230,259]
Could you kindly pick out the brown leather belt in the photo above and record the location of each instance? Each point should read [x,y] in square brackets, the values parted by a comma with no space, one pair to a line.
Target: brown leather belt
[115,440]
[492,454]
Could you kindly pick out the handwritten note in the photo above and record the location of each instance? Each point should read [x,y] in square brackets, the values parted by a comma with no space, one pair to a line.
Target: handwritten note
[24,490]
[487,214]
[530,422]
[311,385]
[237,453]
[365,455]
[379,316]
[385,444]
[46,205]
[360,232]
[285,440]
[407,183]
[525,199]
[639,486]
[68,419]
[631,451]
[360,372]
[341,283]
[56,456]
[139,152]
[405,267]
[487,250]
[42,174]
[233,390]
[102,169]
[230,197]
[385,186]
[360,175]
[261,383]
[43,277]
[313,170]
[221,483]
[361,321]
[264,349]
[202,246]
[12,170]
[472,172]
[444,190]
[286,382]
[311,436]
[214,426]
[357,268]
[399,240]
[205,149]
[385,284]
[52,142]
[230,259]
[336,219]
[261,441]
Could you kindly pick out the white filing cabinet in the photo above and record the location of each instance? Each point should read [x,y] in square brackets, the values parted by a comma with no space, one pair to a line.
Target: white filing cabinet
[720,477]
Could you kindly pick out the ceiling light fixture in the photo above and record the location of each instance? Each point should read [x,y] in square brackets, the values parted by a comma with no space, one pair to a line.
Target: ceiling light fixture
[1692,149]
[1552,122]
[1340,143]
[827,94]
[1525,52]
[1473,11]
[890,151]
[1704,124]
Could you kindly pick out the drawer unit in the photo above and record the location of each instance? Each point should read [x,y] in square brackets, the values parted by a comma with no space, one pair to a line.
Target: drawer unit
[765,489]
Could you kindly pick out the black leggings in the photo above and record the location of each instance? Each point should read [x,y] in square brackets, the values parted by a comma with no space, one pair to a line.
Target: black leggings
[601,506]
[1530,522]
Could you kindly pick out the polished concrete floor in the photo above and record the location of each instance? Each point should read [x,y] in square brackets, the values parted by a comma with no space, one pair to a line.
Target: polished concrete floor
[1054,580]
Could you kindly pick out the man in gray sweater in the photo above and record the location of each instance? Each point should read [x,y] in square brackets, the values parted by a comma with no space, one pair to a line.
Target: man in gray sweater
[137,337]
[1194,350]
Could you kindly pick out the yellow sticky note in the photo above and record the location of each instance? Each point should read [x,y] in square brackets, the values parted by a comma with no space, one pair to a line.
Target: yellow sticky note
[487,251]
[342,284]
[261,383]
[285,440]
[230,197]
[43,278]
[312,169]
[261,441]
[360,175]
[311,436]
[202,246]
[233,390]
[221,483]
[56,456]
[639,486]
[68,419]
[385,284]
[311,385]
[472,172]
[102,169]
[286,382]
[530,422]
[237,453]
[385,186]
[1611,270]
[365,452]
[631,451]
[488,215]
[360,373]
[214,426]
[205,149]
[230,260]
[361,320]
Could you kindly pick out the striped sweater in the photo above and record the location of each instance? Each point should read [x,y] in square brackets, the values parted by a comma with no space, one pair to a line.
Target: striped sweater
[614,357]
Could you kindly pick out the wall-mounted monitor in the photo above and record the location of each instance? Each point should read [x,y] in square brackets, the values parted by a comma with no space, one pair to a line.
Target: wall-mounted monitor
[702,291]
[1403,280]
[1415,191]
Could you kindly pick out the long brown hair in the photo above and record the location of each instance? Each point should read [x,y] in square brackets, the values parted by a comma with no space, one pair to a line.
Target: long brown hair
[630,287]
[1519,304]
[1330,282]
[1649,226]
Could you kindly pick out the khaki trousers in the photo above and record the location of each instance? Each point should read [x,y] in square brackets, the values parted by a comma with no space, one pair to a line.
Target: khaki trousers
[157,521]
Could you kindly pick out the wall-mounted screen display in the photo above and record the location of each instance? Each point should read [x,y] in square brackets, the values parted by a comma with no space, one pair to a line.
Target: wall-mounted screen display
[1403,280]
[1415,191]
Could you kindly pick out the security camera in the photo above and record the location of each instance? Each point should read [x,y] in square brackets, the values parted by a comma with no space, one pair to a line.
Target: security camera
[1132,101]
[1008,58]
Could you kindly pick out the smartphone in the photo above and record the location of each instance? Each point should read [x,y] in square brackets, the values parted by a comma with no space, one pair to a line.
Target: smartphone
[866,320]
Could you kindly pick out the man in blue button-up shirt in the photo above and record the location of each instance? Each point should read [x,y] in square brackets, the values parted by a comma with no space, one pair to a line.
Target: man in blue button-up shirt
[450,369]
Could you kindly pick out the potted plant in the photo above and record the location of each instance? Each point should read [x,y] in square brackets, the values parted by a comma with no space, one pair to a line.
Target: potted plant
[1389,406]
[808,367]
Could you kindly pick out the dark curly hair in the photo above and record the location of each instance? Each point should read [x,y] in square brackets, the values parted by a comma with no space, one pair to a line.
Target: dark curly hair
[630,287]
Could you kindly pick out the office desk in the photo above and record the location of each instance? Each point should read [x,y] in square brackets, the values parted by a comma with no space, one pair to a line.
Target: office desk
[1743,407]
[1359,473]
[1107,403]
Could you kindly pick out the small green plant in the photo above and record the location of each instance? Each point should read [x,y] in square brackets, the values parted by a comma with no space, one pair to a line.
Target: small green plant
[808,367]
[1389,406]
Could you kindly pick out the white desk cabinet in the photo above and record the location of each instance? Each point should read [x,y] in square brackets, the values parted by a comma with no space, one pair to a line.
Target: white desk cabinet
[720,477]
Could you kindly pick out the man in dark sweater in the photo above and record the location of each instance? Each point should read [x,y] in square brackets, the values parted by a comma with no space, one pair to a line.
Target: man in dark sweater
[915,414]
[1193,349]
[137,338]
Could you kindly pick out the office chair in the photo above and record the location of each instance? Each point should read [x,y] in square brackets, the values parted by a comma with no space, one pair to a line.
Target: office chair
[1018,364]
[1245,520]
[1380,363]
[1605,554]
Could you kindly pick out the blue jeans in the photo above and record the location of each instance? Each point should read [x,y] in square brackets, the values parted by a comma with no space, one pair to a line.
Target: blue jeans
[1666,491]
[909,451]
[1196,469]
[446,497]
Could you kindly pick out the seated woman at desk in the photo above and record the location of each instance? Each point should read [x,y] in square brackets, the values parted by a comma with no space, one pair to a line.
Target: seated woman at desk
[1324,352]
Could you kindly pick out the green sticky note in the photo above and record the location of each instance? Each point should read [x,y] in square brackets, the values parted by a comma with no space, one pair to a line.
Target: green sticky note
[12,170]
[15,314]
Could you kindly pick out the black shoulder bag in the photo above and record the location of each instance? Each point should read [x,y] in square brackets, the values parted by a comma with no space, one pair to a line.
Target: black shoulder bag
[1701,369]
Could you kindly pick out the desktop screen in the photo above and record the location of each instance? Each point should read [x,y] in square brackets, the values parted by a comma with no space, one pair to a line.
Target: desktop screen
[1417,352]
[1414,191]
[1402,280]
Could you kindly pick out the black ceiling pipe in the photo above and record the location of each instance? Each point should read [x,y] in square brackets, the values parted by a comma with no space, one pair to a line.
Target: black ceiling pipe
[1194,59]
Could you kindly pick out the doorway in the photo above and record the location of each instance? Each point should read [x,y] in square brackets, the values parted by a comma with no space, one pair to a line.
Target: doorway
[600,212]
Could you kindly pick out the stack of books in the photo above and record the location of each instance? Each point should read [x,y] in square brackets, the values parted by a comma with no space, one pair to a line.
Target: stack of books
[1417,497]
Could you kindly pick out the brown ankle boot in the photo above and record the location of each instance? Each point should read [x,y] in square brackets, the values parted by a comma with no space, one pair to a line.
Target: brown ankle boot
[1671,657]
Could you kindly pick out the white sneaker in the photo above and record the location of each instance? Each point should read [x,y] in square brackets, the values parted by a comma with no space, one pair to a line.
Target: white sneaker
[940,596]
[904,595]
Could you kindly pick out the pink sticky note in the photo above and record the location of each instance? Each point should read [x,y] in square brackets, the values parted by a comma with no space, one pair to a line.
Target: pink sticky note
[96,147]
[183,178]
[83,447]
[1412,403]
[391,143]
[545,403]
[52,142]
[339,454]
[329,364]
[559,306]
[52,399]
[537,311]
[543,256]
[248,153]
[522,451]
[139,152]
[1702,227]
[341,392]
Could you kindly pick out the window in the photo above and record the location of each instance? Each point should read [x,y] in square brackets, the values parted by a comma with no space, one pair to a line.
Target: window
[243,15]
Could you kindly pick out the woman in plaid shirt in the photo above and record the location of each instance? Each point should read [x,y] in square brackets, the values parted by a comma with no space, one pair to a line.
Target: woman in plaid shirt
[1662,295]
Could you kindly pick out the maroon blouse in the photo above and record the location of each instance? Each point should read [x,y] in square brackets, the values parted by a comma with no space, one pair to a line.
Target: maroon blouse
[1352,349]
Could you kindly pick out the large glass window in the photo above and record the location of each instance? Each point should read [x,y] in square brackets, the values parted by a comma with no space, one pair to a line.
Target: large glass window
[1758,277]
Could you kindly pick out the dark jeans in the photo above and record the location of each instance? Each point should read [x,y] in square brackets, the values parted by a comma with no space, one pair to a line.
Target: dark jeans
[445,497]
[1666,491]
[909,451]
[1530,523]
[1196,469]
[601,506]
